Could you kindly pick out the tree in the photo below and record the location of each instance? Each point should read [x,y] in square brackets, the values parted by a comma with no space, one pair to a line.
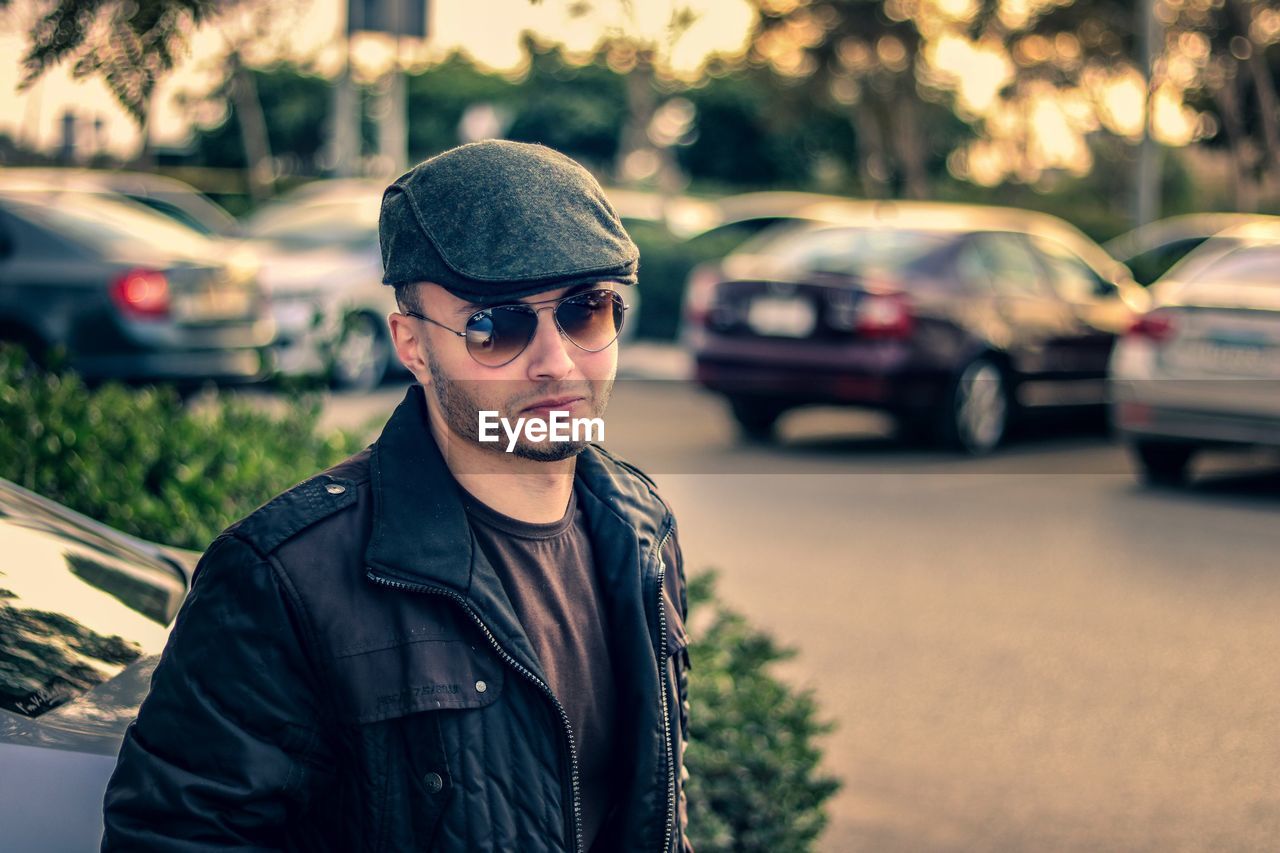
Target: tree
[867,59]
[130,44]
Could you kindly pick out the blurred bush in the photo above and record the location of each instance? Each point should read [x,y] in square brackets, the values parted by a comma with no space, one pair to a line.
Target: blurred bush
[754,783]
[141,461]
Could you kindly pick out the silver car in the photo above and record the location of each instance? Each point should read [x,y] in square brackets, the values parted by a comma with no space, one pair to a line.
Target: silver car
[322,270]
[1202,369]
[84,613]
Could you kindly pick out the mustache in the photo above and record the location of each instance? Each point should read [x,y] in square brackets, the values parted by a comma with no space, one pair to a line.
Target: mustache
[555,390]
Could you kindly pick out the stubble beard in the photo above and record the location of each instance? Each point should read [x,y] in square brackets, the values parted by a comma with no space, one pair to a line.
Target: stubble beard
[461,412]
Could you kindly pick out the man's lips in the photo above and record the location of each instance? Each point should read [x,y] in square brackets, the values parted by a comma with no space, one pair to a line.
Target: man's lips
[553,404]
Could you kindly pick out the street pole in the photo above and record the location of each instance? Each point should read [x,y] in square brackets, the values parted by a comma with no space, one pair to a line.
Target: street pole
[393,131]
[1147,189]
[344,129]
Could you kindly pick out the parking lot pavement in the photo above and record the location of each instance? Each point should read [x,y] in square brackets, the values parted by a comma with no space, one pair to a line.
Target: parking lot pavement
[1025,652]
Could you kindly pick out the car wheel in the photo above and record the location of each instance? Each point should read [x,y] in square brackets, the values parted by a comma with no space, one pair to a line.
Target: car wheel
[975,413]
[757,419]
[361,356]
[1163,463]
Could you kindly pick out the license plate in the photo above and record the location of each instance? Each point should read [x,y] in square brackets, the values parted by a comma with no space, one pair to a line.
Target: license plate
[781,316]
[212,305]
[1236,359]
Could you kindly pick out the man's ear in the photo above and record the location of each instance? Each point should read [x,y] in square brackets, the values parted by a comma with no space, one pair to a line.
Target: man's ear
[409,346]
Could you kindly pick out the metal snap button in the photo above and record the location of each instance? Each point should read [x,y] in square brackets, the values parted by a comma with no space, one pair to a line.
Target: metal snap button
[433,782]
[335,489]
[481,687]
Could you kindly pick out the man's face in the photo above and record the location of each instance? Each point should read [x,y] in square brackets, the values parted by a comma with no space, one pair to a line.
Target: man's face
[551,374]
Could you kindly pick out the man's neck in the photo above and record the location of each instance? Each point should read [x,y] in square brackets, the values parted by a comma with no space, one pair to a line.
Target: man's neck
[524,489]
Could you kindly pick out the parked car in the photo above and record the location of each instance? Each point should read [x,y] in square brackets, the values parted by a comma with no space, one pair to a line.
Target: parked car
[84,614]
[1201,370]
[951,318]
[322,269]
[175,199]
[127,293]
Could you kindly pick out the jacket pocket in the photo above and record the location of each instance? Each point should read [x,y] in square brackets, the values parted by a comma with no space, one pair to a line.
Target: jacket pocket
[425,675]
[391,700]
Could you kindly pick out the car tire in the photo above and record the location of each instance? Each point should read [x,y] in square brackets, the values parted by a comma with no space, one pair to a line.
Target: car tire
[757,419]
[361,354]
[1163,463]
[974,414]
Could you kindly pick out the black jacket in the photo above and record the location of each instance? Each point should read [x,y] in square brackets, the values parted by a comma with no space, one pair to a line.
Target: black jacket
[347,674]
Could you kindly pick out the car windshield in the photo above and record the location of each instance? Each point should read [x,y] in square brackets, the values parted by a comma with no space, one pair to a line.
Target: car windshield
[348,223]
[107,224]
[850,251]
[76,607]
[1202,258]
[1254,266]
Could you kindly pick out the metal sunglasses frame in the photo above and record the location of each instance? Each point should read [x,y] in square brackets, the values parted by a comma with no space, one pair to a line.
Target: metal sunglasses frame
[551,305]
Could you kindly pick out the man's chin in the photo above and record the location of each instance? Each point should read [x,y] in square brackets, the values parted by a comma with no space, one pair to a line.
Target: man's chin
[548,451]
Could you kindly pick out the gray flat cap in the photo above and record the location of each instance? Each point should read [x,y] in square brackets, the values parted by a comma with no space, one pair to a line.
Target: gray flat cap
[498,220]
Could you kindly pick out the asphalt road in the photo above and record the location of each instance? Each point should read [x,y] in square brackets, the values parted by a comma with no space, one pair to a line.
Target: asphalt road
[1026,652]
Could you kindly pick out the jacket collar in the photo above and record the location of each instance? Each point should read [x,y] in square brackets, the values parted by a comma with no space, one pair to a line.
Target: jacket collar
[420,528]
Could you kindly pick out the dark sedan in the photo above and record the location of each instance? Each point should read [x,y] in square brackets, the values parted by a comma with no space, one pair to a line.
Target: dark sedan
[127,293]
[953,319]
[84,612]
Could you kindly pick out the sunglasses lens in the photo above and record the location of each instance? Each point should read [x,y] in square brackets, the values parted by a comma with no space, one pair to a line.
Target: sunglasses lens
[498,335]
[592,320]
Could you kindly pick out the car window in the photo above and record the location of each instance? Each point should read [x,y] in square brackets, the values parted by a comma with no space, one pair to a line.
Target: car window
[106,224]
[74,611]
[1002,263]
[1150,265]
[854,251]
[177,214]
[1069,276]
[1201,258]
[29,241]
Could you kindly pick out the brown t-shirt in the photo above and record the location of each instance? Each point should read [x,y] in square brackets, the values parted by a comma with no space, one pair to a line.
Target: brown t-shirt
[550,576]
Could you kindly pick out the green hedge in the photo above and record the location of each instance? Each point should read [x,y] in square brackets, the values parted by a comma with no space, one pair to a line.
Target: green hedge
[754,779]
[142,461]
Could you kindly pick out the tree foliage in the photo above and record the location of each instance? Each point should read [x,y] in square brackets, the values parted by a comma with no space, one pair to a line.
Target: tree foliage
[130,44]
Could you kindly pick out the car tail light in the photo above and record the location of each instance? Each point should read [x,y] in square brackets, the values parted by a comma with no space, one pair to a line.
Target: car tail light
[700,294]
[142,294]
[885,315]
[1155,326]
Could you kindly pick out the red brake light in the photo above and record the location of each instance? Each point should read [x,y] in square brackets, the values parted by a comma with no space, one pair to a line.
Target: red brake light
[884,316]
[143,294]
[1155,326]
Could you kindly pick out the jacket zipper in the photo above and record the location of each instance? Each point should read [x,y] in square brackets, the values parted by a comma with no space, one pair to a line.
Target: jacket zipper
[670,817]
[539,683]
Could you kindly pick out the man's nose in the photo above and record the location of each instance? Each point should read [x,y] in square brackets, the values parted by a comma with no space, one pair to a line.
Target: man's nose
[549,350]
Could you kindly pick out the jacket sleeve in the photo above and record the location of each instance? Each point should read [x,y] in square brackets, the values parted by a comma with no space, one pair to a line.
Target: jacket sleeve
[675,558]
[227,743]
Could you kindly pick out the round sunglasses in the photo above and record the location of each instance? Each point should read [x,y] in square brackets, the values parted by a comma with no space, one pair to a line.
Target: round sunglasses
[497,335]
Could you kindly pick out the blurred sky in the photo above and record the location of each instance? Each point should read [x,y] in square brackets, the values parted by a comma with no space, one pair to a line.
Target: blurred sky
[488,29]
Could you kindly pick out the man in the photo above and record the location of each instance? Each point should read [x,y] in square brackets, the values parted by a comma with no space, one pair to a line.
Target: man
[442,643]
